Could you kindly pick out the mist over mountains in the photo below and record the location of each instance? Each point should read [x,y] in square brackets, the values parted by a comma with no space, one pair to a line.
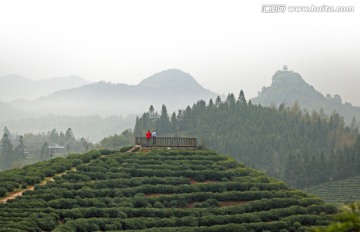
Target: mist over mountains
[15,87]
[100,109]
[174,88]
[8,112]
[80,104]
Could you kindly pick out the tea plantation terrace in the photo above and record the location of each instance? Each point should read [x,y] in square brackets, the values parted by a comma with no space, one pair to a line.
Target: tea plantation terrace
[158,190]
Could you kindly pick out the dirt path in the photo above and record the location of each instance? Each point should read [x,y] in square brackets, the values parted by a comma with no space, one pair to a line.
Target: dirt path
[13,195]
[192,181]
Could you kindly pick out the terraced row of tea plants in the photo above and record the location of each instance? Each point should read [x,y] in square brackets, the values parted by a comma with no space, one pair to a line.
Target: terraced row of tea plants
[163,190]
[341,191]
[18,179]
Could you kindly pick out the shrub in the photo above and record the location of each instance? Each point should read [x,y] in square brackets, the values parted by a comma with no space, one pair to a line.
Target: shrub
[158,205]
[46,223]
[2,192]
[32,180]
[125,149]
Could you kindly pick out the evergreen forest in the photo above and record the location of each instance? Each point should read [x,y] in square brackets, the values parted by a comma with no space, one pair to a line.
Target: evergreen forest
[302,148]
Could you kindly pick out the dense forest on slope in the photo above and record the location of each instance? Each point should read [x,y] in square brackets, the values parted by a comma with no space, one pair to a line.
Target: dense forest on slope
[299,147]
[159,190]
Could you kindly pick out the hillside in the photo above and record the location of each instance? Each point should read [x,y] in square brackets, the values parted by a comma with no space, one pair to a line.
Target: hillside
[7,112]
[286,143]
[155,191]
[347,190]
[172,87]
[14,87]
[288,87]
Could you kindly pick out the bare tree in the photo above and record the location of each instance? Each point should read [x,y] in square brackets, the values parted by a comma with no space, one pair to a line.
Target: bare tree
[85,142]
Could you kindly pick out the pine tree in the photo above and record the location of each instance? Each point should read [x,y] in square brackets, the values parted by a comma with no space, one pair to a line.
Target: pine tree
[231,100]
[54,136]
[45,151]
[163,125]
[20,149]
[6,131]
[6,152]
[241,98]
[217,101]
[174,123]
[69,135]
[211,104]
[152,114]
[138,128]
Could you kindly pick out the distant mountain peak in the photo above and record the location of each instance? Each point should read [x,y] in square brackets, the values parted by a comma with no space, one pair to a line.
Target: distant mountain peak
[173,88]
[170,78]
[290,78]
[288,87]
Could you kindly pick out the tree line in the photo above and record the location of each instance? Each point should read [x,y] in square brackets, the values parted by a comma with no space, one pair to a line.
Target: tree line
[286,142]
[19,150]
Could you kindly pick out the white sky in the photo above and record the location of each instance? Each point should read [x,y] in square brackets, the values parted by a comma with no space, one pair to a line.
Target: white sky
[226,45]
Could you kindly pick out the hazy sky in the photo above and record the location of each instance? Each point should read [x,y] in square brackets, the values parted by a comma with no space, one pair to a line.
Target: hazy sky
[225,45]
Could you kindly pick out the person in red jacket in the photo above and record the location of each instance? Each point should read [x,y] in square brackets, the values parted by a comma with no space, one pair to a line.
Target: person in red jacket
[148,137]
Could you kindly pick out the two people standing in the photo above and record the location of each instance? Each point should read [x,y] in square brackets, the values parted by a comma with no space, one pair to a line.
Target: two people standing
[150,135]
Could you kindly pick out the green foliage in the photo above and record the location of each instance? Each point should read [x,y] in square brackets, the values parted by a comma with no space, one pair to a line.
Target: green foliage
[125,148]
[3,191]
[6,152]
[286,143]
[33,174]
[17,151]
[348,220]
[340,191]
[160,190]
[117,141]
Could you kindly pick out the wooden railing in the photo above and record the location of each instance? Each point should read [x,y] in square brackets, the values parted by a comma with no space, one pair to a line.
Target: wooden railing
[166,142]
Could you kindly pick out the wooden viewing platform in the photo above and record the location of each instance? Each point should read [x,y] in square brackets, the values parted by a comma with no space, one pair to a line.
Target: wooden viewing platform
[166,142]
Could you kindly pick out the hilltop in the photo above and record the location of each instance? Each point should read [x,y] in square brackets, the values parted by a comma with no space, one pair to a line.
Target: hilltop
[7,111]
[159,190]
[288,87]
